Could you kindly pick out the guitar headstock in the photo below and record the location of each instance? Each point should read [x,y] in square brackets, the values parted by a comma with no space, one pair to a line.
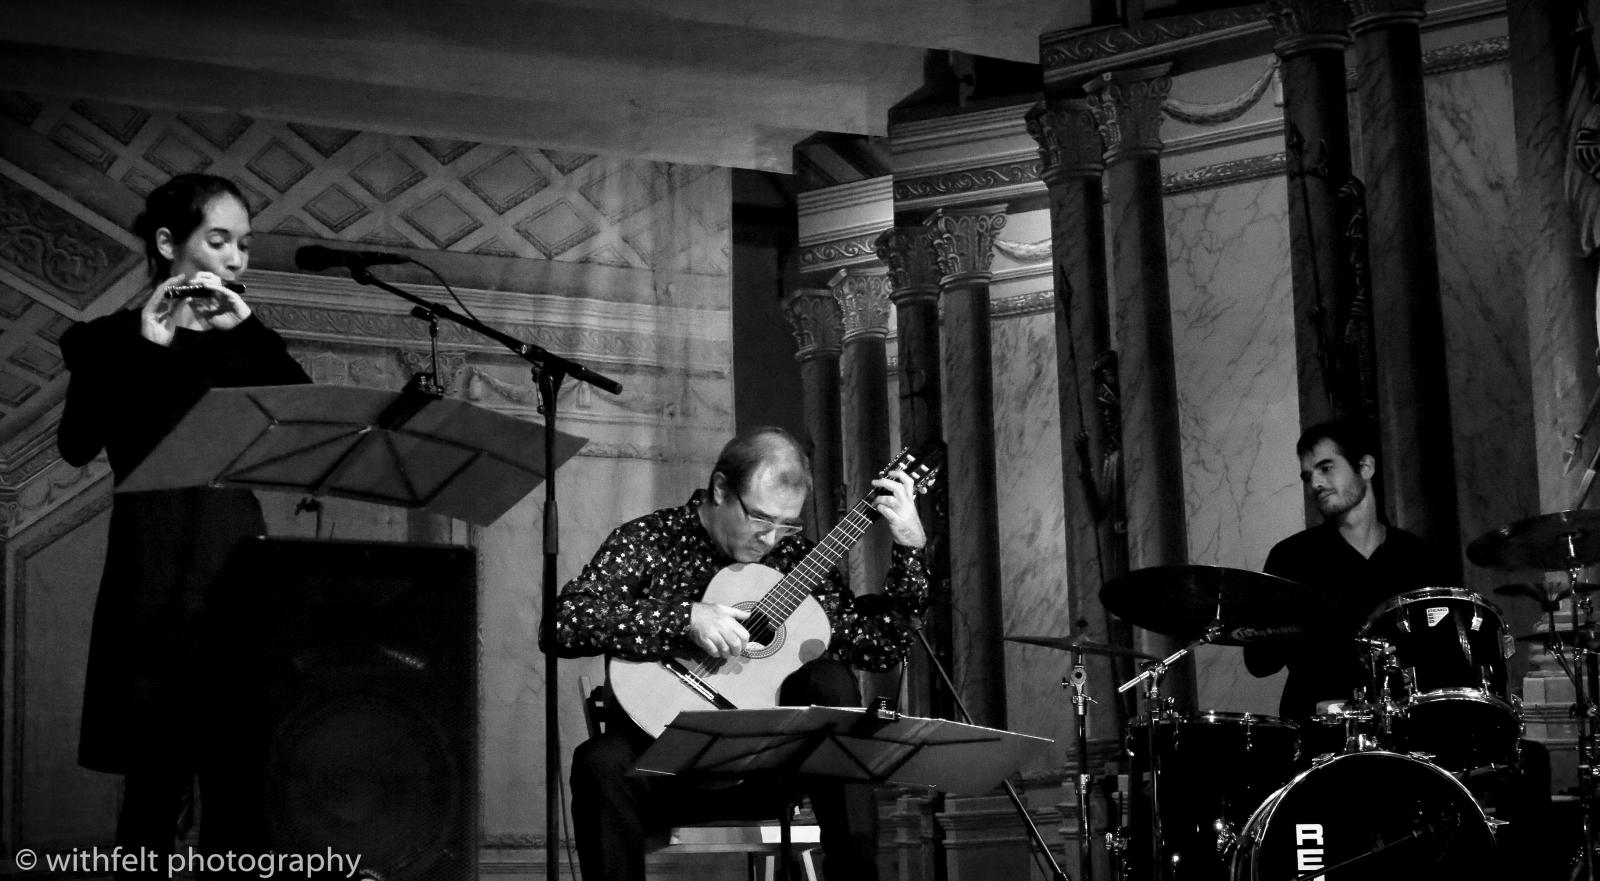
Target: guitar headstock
[921,465]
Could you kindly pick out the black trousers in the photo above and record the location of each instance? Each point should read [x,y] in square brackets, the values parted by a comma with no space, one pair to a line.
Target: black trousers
[615,812]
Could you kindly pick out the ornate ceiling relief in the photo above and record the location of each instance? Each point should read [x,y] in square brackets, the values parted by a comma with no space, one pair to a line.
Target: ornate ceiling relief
[49,247]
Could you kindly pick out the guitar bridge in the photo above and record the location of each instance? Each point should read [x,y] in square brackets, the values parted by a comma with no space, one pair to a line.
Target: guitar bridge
[697,685]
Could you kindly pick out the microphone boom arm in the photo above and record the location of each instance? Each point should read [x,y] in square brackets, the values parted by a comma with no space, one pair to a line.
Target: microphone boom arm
[530,352]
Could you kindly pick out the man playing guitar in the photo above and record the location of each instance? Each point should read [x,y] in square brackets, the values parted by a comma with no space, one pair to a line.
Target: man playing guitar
[640,599]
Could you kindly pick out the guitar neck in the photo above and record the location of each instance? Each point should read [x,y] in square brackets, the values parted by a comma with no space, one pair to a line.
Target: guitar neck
[786,595]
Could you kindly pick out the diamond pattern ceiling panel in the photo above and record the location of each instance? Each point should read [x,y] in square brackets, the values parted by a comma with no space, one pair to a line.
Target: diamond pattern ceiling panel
[411,192]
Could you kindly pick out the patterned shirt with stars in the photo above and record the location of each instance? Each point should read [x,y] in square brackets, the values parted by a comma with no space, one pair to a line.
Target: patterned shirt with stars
[633,599]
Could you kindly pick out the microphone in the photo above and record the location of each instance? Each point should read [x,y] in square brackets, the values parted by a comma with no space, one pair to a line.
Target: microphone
[315,258]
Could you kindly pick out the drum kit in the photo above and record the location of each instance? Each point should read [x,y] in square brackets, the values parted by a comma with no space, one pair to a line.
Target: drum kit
[1376,786]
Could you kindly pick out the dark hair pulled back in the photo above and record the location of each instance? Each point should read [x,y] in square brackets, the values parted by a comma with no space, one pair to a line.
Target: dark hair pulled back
[179,206]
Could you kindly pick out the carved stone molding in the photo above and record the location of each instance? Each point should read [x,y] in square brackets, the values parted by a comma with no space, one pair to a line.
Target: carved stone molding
[1221,174]
[1021,305]
[1462,56]
[1308,25]
[817,322]
[963,238]
[49,247]
[968,180]
[1072,56]
[1069,139]
[912,273]
[826,255]
[1127,107]
[863,295]
[1370,15]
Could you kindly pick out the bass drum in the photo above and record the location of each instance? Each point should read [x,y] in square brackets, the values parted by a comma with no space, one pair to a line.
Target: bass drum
[1378,816]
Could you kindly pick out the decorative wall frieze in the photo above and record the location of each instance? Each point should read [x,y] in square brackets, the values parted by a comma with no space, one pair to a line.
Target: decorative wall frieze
[1020,305]
[1003,179]
[55,251]
[840,252]
[1069,139]
[863,295]
[963,238]
[912,273]
[1127,107]
[1221,174]
[817,321]
[838,224]
[1070,57]
[1461,56]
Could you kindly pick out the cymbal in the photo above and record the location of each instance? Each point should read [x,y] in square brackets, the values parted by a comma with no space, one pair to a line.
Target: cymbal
[1183,601]
[1066,643]
[1551,542]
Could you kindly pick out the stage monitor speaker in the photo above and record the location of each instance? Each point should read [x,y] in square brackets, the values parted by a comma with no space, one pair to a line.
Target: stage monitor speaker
[365,656]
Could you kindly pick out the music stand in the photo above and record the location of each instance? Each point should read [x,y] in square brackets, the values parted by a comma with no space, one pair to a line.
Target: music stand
[412,449]
[839,743]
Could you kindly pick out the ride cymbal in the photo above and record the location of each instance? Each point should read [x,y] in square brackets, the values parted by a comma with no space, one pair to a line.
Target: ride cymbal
[1183,601]
[1550,542]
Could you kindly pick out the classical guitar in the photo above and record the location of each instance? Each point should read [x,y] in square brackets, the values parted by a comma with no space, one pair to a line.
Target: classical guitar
[785,620]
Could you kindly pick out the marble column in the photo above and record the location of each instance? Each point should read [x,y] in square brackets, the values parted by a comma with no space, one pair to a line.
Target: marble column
[863,295]
[1127,108]
[1558,283]
[1418,458]
[1311,37]
[814,316]
[1095,509]
[914,286]
[962,247]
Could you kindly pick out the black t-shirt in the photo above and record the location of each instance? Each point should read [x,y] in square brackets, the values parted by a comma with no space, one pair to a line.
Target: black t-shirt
[1328,665]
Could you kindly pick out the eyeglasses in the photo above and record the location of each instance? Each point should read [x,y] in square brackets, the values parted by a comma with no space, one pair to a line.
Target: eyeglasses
[762,525]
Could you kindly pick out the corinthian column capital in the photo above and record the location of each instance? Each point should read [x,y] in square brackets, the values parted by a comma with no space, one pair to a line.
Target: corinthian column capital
[1371,15]
[913,277]
[813,315]
[863,295]
[1306,25]
[962,240]
[1127,108]
[1069,139]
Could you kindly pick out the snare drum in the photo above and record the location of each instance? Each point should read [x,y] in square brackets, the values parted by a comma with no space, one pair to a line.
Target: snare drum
[1453,649]
[1211,770]
[1388,817]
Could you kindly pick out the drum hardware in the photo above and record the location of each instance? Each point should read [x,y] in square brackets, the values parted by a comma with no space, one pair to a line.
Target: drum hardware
[1564,541]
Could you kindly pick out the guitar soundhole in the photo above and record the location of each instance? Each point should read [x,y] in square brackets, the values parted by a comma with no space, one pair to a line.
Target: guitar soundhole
[762,631]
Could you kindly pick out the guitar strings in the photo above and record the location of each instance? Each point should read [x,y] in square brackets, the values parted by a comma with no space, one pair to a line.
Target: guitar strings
[789,593]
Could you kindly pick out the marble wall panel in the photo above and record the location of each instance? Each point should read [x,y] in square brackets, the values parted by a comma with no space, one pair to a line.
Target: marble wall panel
[1233,340]
[1033,551]
[1485,313]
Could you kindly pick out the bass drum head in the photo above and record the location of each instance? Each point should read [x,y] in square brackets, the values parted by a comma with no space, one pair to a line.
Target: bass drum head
[1381,816]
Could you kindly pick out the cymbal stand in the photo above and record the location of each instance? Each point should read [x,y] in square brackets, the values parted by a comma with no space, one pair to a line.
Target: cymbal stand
[1080,707]
[1583,704]
[1157,711]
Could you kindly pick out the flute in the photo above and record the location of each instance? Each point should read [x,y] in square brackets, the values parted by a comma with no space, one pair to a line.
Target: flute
[179,291]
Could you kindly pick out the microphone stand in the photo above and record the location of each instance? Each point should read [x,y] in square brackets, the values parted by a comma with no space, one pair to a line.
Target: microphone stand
[1022,810]
[549,372]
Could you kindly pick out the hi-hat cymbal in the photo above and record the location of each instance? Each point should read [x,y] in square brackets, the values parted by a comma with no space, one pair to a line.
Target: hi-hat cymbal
[1183,601]
[1551,542]
[1067,643]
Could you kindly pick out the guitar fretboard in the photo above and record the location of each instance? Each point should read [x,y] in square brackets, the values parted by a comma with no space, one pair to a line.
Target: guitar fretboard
[787,595]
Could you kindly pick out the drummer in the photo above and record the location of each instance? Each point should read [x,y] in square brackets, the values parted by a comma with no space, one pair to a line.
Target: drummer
[1352,556]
